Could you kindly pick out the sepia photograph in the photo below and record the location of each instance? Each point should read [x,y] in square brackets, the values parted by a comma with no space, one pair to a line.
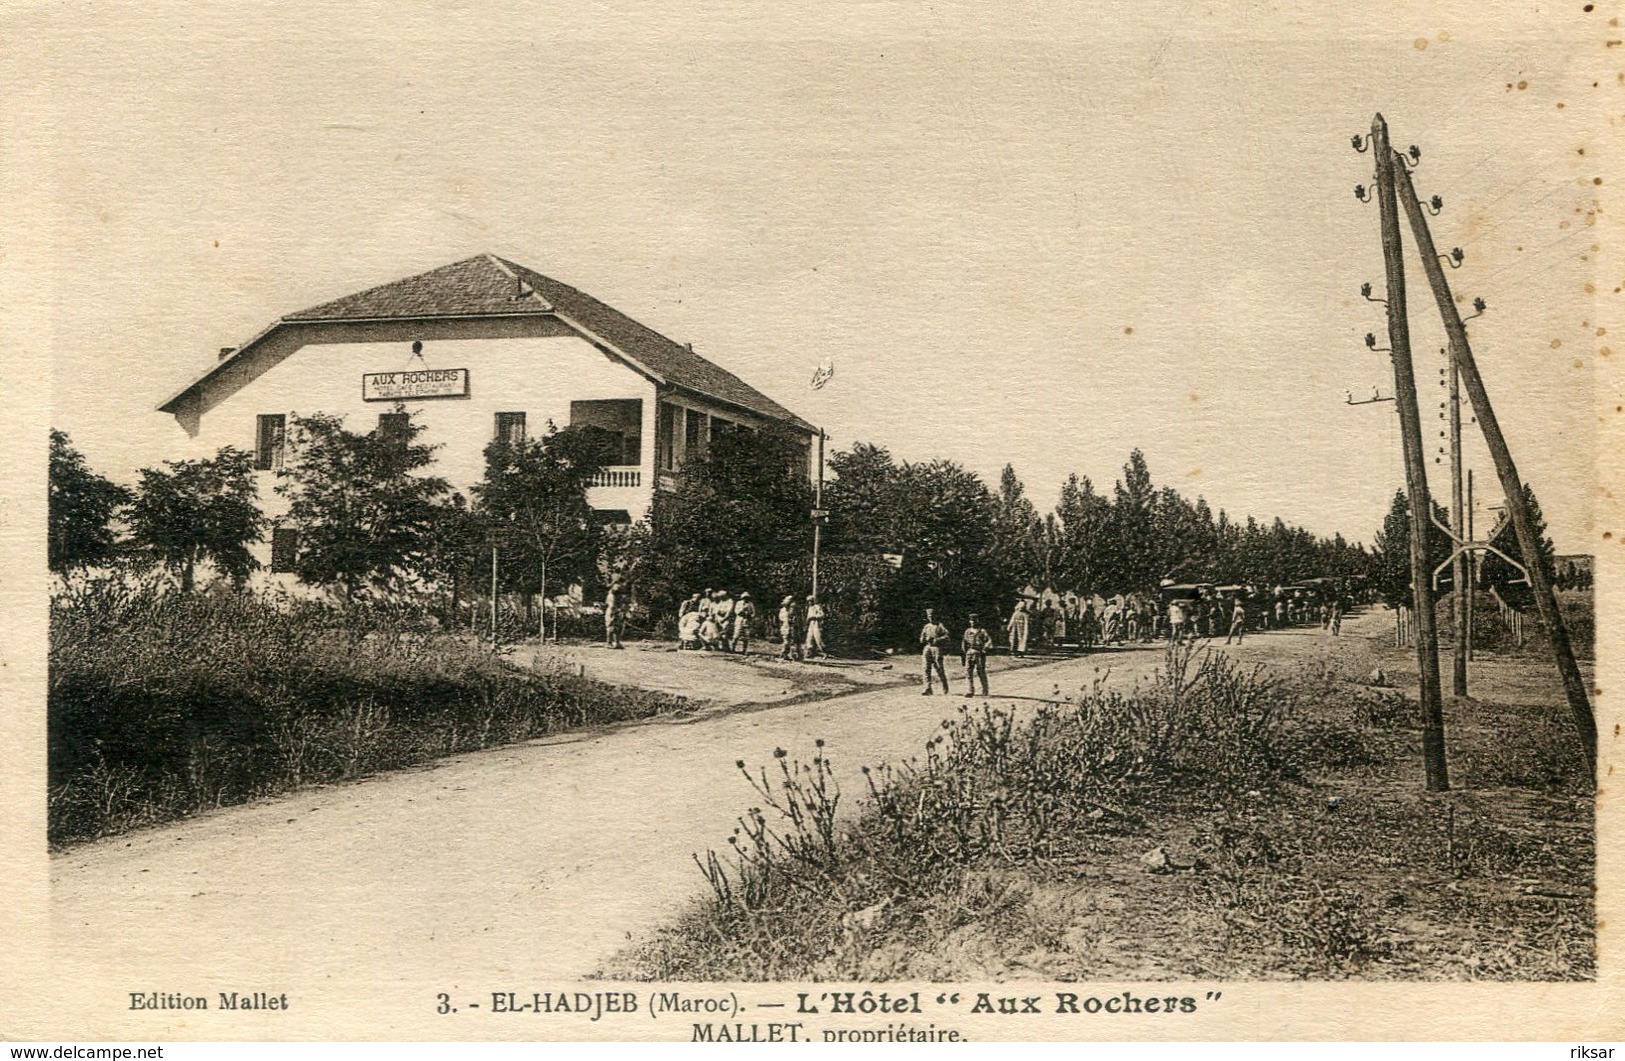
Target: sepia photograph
[844,524]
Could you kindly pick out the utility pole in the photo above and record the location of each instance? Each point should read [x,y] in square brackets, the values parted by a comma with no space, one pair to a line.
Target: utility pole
[818,513]
[493,594]
[1410,422]
[1472,567]
[1458,567]
[1523,523]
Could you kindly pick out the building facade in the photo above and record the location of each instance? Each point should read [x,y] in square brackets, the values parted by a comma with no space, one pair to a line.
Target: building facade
[479,349]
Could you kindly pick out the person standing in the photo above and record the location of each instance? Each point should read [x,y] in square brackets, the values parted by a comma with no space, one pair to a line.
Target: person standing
[1018,629]
[1238,621]
[1088,626]
[815,628]
[973,645]
[933,635]
[789,629]
[614,616]
[1335,621]
[723,612]
[1177,617]
[744,616]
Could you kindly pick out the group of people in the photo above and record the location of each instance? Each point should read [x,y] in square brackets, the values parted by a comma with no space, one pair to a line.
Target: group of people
[717,621]
[974,645]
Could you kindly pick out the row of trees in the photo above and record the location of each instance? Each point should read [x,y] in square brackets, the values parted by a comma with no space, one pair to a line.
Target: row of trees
[901,536]
[367,514]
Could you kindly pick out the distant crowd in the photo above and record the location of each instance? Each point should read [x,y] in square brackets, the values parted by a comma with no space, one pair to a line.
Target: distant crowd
[720,620]
[717,621]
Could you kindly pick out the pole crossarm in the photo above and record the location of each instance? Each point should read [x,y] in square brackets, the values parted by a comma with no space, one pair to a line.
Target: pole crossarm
[1467,548]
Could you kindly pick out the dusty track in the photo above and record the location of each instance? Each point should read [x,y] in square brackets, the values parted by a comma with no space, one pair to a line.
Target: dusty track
[517,868]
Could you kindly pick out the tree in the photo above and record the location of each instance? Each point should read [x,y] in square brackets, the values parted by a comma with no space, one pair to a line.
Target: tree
[363,512]
[192,511]
[1084,519]
[536,490]
[1502,575]
[1134,565]
[1018,534]
[739,511]
[1391,562]
[82,506]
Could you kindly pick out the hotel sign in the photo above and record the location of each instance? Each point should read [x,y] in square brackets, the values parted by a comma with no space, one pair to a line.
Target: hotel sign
[414,383]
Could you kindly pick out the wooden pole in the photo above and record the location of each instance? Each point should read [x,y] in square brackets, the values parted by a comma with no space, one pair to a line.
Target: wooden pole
[1472,568]
[1435,772]
[1517,505]
[493,595]
[818,514]
[1458,524]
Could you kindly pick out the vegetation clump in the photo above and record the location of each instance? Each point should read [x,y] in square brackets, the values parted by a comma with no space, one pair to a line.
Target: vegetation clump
[163,704]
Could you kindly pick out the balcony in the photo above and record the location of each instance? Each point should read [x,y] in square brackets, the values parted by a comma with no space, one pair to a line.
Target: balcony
[619,476]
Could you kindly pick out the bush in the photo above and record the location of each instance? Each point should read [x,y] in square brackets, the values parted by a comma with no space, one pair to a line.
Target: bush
[163,704]
[798,894]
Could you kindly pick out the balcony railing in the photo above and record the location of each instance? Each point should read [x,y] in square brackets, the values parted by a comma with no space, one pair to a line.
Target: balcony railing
[618,477]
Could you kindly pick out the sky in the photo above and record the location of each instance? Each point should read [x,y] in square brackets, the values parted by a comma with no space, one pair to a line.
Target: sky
[1022,234]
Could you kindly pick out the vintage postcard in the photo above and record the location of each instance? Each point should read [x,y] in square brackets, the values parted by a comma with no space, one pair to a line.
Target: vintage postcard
[835,523]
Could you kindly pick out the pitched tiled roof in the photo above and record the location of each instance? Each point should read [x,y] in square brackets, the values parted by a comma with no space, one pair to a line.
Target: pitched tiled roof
[476,286]
[671,361]
[486,285]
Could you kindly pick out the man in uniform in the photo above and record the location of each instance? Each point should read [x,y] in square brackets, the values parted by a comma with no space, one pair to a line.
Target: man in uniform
[1238,621]
[789,629]
[932,637]
[815,628]
[974,644]
[1177,617]
[744,616]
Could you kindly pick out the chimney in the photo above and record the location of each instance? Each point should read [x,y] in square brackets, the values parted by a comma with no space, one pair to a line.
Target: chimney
[227,351]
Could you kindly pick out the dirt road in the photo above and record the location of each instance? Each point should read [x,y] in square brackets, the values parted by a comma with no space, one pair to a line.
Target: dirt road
[521,868]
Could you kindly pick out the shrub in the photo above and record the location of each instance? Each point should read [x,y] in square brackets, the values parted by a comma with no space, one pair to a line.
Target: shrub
[164,704]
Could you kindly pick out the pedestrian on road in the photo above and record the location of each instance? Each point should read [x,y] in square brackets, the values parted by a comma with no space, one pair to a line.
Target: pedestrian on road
[1088,626]
[973,646]
[815,628]
[1238,621]
[1177,618]
[933,635]
[614,616]
[723,612]
[789,629]
[1336,620]
[744,617]
[1018,629]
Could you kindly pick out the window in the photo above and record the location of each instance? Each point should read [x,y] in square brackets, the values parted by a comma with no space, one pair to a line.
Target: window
[510,428]
[284,549]
[617,424]
[269,435]
[395,427]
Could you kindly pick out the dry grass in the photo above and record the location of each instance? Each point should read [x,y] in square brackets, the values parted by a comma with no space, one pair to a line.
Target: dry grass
[162,705]
[1216,823]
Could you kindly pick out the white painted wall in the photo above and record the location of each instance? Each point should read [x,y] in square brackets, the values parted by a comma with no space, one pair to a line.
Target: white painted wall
[536,376]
